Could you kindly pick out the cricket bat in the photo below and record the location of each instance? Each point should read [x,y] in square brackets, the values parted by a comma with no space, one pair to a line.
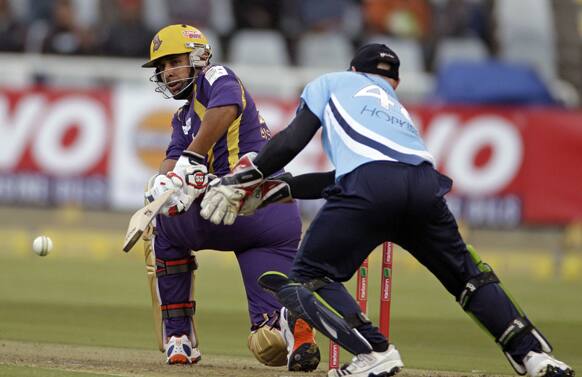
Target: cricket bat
[142,218]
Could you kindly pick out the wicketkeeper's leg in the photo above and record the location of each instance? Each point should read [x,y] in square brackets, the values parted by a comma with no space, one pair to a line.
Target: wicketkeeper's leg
[439,246]
[336,243]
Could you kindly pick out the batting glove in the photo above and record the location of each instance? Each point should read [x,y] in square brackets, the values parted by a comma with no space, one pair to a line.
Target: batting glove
[192,172]
[178,203]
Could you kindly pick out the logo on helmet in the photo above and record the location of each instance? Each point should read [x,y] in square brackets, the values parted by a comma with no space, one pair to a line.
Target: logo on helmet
[191,34]
[157,42]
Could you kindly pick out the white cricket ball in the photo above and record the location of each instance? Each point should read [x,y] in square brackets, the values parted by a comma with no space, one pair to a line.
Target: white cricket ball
[42,245]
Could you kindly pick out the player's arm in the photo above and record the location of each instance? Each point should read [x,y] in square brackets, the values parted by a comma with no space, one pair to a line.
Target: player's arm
[308,186]
[167,165]
[224,105]
[213,127]
[190,171]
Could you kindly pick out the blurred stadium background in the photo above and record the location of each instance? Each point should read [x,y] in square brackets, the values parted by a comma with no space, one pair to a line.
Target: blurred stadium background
[495,87]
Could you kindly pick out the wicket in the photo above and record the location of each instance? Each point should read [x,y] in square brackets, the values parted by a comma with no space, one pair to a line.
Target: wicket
[362,298]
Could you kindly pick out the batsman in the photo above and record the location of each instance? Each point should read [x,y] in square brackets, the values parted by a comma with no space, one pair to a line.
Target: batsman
[385,188]
[218,125]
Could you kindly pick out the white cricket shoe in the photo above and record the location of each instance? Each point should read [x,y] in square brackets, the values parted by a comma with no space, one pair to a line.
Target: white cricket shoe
[379,364]
[540,364]
[179,350]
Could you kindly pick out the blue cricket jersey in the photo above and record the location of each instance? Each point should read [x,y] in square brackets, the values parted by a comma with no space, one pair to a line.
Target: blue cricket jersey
[362,121]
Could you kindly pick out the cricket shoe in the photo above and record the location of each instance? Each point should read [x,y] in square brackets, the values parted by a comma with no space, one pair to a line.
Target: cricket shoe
[179,350]
[302,351]
[373,364]
[540,364]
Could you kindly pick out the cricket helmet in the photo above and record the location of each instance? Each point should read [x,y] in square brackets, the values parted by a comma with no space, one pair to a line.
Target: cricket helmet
[180,39]
[174,40]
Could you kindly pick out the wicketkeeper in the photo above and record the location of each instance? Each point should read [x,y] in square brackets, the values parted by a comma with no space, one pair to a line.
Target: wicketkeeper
[218,124]
[385,188]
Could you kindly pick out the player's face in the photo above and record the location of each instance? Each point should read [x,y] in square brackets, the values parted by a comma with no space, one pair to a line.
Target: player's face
[175,70]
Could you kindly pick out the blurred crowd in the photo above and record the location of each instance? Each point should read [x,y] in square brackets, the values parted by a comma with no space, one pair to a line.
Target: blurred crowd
[124,28]
[427,34]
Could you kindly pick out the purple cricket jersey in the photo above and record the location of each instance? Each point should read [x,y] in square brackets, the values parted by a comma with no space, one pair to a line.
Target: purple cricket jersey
[265,241]
[219,86]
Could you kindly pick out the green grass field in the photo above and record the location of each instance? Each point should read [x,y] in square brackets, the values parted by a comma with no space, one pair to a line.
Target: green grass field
[104,302]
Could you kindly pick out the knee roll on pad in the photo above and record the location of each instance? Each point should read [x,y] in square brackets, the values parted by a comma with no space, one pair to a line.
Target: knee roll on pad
[268,346]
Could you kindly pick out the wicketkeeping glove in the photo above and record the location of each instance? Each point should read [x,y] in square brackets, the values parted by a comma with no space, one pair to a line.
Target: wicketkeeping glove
[242,197]
[225,195]
[269,192]
[192,171]
[221,203]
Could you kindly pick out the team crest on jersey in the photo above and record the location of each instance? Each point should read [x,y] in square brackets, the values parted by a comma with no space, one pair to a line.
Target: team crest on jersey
[187,125]
[157,42]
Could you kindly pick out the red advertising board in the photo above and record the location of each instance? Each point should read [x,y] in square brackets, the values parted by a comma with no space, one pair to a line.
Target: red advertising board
[55,145]
[528,155]
[510,165]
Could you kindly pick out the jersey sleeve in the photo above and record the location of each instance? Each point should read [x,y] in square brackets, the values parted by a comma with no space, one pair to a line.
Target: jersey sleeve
[222,88]
[179,141]
[315,96]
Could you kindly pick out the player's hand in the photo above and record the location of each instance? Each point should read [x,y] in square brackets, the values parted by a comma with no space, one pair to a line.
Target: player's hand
[192,172]
[225,195]
[178,203]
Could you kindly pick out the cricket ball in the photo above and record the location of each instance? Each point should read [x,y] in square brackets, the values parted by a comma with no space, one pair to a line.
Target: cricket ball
[42,245]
